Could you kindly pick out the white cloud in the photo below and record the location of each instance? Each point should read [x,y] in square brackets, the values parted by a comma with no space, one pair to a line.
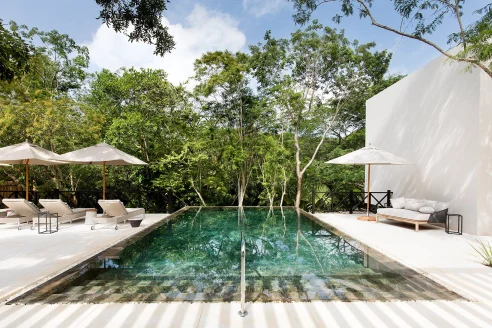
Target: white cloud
[264,7]
[204,30]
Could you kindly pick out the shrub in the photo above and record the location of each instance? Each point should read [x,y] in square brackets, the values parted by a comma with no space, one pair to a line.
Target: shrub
[485,252]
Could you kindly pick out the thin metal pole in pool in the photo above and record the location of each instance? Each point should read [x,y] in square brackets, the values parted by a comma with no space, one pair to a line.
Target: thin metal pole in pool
[243,312]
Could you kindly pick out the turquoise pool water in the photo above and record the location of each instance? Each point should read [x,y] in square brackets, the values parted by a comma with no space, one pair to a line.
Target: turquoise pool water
[196,257]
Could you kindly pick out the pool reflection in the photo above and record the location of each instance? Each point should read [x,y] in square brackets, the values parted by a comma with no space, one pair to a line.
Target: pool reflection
[196,257]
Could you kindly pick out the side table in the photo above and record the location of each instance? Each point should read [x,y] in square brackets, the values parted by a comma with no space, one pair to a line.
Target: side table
[90,214]
[460,224]
[47,222]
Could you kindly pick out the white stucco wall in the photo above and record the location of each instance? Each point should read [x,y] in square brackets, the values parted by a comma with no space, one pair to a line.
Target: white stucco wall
[440,119]
[484,191]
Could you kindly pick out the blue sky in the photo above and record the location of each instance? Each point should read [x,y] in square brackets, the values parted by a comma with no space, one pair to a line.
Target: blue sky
[209,25]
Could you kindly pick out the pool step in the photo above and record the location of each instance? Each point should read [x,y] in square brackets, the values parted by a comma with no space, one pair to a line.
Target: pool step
[266,289]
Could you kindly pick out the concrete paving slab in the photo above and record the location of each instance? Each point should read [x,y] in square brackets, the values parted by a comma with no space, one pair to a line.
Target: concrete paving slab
[26,256]
[448,259]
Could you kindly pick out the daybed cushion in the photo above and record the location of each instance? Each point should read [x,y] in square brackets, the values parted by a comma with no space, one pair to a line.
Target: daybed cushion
[414,205]
[398,202]
[431,203]
[404,214]
[427,210]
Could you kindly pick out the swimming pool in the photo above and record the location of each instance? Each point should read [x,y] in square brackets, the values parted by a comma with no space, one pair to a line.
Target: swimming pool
[195,256]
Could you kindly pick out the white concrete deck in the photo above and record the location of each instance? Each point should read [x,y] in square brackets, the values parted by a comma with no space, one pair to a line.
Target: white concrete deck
[430,251]
[316,314]
[447,259]
[26,256]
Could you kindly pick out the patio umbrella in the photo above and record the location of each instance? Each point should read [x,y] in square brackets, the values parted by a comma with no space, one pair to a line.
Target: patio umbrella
[369,155]
[101,154]
[27,153]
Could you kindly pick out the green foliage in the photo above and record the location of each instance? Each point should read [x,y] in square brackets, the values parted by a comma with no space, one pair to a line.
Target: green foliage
[311,79]
[425,16]
[228,104]
[484,250]
[478,38]
[140,20]
[222,144]
[14,54]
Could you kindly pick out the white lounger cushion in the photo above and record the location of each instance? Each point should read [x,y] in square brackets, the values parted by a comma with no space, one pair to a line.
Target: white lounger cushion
[22,207]
[64,211]
[405,214]
[116,212]
[23,211]
[56,206]
[113,207]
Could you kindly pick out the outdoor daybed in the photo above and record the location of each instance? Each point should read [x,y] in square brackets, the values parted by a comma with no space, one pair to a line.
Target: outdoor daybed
[115,212]
[414,211]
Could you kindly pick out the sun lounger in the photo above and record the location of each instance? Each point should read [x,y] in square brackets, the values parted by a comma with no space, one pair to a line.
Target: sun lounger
[23,212]
[115,212]
[64,211]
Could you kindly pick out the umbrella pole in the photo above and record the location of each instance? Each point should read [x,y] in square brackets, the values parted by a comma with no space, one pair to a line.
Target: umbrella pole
[27,179]
[367,217]
[104,180]
[368,188]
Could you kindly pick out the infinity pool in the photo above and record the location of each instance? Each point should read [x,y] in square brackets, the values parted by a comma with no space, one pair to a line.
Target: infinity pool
[195,256]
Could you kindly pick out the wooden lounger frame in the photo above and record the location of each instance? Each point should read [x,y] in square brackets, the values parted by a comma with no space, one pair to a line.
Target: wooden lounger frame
[395,218]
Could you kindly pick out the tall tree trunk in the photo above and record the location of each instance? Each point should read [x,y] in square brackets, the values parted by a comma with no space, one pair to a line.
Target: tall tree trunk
[299,172]
[198,193]
[299,191]
[241,187]
[284,188]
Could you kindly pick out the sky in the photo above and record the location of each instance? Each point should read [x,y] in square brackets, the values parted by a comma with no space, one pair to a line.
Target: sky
[209,25]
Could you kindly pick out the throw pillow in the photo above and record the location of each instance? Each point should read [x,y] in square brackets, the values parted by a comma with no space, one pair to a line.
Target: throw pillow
[398,202]
[440,206]
[431,203]
[414,205]
[426,210]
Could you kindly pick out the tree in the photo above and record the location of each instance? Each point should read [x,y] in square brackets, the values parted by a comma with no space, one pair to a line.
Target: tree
[146,116]
[15,54]
[272,168]
[426,16]
[57,63]
[230,106]
[37,103]
[310,76]
[140,20]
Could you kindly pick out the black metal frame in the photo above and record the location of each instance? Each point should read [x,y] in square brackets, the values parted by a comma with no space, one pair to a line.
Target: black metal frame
[47,223]
[350,201]
[460,224]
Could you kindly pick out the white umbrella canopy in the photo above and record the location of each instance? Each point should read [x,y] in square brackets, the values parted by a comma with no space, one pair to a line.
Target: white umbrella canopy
[27,153]
[369,155]
[101,154]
